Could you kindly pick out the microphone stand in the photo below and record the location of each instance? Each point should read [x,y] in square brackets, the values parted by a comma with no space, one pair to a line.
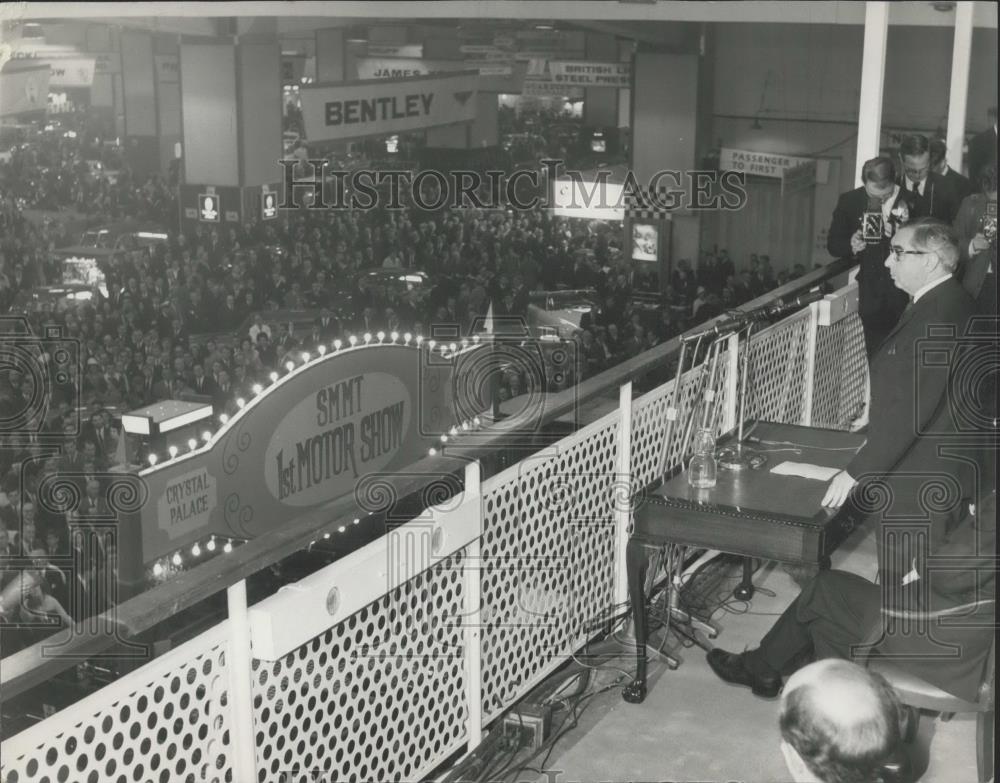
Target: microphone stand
[737,458]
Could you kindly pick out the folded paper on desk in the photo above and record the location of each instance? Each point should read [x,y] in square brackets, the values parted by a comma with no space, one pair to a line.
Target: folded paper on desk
[805,470]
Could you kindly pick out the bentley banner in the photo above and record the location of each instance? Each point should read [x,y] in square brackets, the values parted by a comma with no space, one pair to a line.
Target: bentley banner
[384,106]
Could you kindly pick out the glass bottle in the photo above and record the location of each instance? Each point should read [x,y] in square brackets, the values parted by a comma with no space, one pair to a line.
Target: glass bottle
[703,468]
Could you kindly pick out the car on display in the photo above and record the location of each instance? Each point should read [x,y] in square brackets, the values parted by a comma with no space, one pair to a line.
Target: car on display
[562,312]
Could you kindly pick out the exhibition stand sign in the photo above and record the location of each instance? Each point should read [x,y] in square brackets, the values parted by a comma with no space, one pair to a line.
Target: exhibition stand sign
[385,106]
[308,439]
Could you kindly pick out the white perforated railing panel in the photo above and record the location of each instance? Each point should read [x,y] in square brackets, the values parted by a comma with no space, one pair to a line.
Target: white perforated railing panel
[649,422]
[380,696]
[841,370]
[548,560]
[165,722]
[778,360]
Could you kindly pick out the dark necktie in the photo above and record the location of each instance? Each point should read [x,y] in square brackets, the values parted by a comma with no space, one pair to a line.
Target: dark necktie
[916,188]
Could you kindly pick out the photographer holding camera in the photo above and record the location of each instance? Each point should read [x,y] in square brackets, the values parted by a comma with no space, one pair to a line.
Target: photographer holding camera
[864,223]
[976,225]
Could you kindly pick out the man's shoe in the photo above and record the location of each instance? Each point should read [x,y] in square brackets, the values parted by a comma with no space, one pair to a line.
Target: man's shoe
[733,668]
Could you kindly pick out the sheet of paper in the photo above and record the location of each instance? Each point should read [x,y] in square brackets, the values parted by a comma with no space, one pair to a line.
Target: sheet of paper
[805,470]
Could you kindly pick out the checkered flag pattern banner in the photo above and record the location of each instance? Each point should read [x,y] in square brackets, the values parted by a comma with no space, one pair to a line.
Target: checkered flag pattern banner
[645,205]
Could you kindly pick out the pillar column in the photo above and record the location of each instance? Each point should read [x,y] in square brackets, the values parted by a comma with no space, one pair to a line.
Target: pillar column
[961,54]
[664,124]
[330,55]
[872,83]
[166,61]
[600,104]
[230,90]
[140,144]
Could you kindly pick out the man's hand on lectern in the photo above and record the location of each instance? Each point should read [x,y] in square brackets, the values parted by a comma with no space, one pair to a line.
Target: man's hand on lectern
[840,487]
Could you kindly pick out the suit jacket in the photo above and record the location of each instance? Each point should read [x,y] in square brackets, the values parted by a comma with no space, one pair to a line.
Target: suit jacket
[913,414]
[982,151]
[940,198]
[878,297]
[968,223]
[960,185]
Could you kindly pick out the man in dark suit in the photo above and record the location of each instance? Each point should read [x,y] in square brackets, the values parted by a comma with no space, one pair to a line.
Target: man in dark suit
[983,147]
[960,185]
[934,196]
[910,455]
[885,206]
[976,225]
[203,384]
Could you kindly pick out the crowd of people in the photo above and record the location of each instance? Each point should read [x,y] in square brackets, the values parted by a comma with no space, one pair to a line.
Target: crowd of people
[210,311]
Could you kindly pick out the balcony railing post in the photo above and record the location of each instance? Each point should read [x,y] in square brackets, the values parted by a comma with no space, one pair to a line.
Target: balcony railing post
[240,678]
[730,403]
[621,497]
[810,368]
[473,643]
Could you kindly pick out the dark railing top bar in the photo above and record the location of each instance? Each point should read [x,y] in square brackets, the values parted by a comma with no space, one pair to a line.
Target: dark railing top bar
[39,663]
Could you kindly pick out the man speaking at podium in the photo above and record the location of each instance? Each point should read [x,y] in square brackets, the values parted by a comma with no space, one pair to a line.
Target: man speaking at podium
[902,469]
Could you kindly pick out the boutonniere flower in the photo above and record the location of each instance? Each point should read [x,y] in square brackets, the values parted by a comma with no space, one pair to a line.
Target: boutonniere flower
[900,213]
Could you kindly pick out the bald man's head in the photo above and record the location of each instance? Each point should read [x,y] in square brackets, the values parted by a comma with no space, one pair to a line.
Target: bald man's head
[840,722]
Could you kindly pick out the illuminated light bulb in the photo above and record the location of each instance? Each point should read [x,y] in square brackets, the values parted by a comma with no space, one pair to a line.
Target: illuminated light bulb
[210,546]
[206,436]
[337,344]
[196,550]
[444,438]
[476,421]
[453,431]
[223,417]
[240,402]
[305,356]
[380,336]
[465,425]
[289,366]
[394,336]
[341,529]
[420,339]
[432,452]
[464,343]
[357,521]
[431,344]
[322,350]
[367,338]
[256,388]
[172,450]
[452,348]
[157,570]
[176,559]
[407,337]
[475,338]
[228,547]
[353,340]
[273,376]
[326,535]
[152,459]
[192,444]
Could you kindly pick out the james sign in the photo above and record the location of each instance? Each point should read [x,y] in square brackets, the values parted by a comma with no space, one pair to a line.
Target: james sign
[305,442]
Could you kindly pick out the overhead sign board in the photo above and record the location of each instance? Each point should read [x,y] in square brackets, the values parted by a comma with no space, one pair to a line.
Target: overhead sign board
[768,164]
[209,208]
[591,74]
[384,106]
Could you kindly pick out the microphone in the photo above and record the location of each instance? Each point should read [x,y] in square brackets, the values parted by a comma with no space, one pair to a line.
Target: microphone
[739,320]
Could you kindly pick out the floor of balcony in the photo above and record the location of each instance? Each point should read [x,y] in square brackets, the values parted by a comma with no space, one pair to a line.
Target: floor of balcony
[694,727]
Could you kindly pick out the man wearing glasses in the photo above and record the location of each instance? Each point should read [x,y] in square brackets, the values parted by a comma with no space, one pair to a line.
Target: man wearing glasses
[906,469]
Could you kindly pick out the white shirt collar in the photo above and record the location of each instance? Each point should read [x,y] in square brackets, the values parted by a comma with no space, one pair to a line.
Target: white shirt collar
[932,284]
[889,203]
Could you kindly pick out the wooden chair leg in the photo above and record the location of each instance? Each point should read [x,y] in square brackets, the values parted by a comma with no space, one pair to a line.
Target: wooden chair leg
[984,745]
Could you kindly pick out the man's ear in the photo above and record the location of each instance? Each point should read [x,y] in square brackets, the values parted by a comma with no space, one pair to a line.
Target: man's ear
[800,772]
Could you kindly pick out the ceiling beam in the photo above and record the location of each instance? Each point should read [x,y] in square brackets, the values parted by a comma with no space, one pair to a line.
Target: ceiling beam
[850,12]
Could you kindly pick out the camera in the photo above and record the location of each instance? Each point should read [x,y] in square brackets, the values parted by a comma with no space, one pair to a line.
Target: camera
[872,227]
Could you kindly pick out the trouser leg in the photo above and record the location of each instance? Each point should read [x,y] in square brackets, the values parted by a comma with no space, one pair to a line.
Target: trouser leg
[834,612]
